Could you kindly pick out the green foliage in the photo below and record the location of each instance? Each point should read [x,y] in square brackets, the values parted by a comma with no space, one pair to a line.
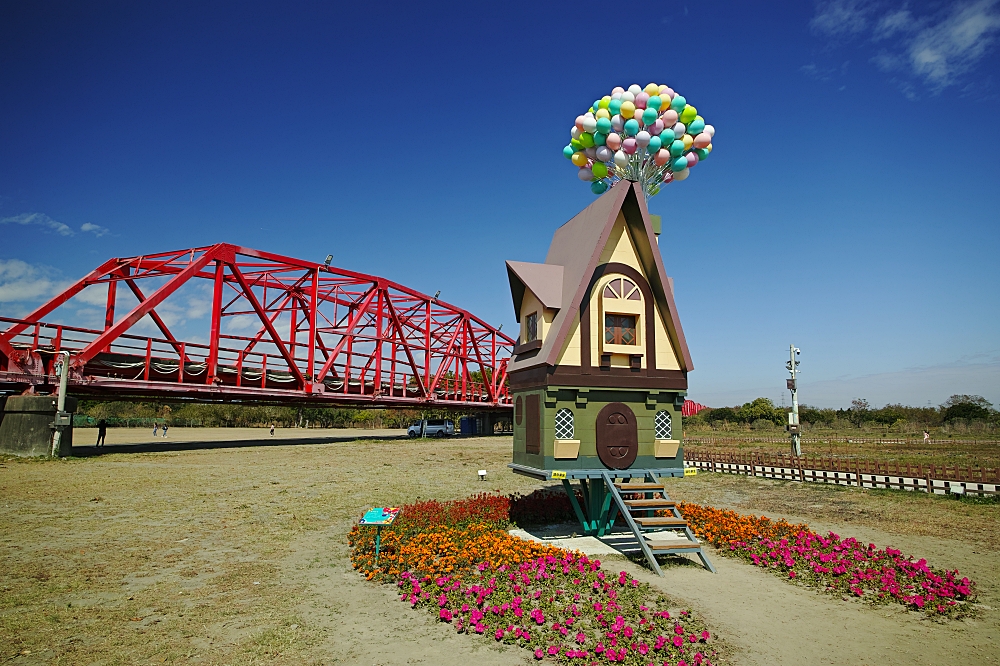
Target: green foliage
[760,409]
[967,407]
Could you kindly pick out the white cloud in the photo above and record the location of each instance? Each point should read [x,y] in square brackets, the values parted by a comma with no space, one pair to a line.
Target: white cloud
[841,17]
[21,282]
[940,52]
[936,49]
[94,229]
[46,222]
[40,220]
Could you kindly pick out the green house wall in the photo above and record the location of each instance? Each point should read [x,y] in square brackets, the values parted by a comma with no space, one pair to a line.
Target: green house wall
[585,405]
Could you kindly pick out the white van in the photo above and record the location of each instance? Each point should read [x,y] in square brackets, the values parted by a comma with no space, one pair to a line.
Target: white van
[434,428]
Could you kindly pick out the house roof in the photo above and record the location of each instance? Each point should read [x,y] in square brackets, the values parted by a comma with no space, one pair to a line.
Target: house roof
[544,280]
[576,248]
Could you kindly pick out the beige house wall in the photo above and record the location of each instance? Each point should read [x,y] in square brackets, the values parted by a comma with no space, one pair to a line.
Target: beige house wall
[530,304]
[570,354]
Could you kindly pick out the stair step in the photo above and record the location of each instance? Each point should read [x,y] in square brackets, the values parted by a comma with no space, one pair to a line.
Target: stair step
[660,522]
[666,545]
[650,504]
[630,486]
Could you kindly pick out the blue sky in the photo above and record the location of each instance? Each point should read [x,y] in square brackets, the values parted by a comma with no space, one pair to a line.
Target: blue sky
[851,205]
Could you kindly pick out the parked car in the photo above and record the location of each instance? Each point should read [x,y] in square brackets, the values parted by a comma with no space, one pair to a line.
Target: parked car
[434,428]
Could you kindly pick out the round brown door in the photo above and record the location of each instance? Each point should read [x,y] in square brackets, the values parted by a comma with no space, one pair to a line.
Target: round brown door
[617,436]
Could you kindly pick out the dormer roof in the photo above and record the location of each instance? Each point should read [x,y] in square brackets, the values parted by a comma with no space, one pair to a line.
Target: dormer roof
[544,280]
[576,250]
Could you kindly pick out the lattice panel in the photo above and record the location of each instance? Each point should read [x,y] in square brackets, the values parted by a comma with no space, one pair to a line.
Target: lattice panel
[662,424]
[564,424]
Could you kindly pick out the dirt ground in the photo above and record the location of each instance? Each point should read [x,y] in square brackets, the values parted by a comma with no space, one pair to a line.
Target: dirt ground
[227,547]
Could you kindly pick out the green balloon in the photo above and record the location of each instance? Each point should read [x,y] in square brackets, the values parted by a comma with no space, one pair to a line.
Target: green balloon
[688,114]
[575,144]
[599,170]
[614,107]
[600,138]
[587,140]
[677,148]
[568,151]
[702,153]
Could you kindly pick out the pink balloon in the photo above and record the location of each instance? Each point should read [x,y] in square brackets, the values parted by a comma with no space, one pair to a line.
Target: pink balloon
[614,142]
[702,140]
[629,146]
[640,100]
[669,117]
[670,91]
[662,157]
[656,127]
[692,159]
[579,123]
[667,177]
[617,90]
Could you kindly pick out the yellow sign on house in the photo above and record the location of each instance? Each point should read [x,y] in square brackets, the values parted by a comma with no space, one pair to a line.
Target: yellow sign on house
[690,471]
[556,474]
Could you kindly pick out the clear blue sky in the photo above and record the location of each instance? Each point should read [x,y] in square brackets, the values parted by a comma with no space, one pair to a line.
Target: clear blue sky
[851,205]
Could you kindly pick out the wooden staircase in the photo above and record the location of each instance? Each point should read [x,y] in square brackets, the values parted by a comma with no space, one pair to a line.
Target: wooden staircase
[640,516]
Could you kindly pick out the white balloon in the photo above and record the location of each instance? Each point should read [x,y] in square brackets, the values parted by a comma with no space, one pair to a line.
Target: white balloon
[589,124]
[617,123]
[681,175]
[635,89]
[628,97]
[617,90]
[709,130]
[616,95]
[680,129]
[575,132]
[591,153]
[604,154]
[585,174]
[621,159]
[642,138]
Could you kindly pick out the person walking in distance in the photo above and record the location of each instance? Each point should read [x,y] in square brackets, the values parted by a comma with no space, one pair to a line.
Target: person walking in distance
[164,431]
[156,428]
[272,430]
[927,437]
[102,431]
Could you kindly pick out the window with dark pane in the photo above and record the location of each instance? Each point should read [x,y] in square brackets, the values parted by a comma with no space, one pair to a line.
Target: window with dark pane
[662,425]
[619,329]
[531,327]
[564,424]
[623,288]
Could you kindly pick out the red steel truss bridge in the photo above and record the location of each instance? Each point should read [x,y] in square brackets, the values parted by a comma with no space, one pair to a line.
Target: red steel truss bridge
[279,331]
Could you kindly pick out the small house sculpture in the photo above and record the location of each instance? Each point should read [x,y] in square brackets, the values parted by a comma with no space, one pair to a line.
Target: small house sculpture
[599,373]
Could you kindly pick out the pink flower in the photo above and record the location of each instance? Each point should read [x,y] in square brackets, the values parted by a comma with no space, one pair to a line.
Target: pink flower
[678,641]
[539,654]
[581,638]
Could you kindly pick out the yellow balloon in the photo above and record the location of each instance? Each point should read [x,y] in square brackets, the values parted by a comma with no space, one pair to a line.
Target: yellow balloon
[688,140]
[603,113]
[681,175]
[663,90]
[708,147]
[603,104]
[652,89]
[628,110]
[579,159]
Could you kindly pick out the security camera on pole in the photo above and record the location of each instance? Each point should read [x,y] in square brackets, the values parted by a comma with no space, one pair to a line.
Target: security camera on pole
[793,416]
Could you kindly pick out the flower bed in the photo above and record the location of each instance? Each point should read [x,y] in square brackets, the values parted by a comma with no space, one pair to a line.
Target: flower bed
[832,563]
[457,560]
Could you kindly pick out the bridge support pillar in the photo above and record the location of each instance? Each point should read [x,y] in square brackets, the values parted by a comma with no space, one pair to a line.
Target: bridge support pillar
[25,425]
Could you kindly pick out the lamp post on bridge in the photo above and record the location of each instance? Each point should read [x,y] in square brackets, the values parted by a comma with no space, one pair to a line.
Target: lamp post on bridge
[793,416]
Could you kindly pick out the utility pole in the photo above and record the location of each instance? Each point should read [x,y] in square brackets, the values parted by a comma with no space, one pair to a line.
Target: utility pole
[793,416]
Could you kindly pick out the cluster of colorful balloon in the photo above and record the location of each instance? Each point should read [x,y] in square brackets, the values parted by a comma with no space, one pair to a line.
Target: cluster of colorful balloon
[648,135]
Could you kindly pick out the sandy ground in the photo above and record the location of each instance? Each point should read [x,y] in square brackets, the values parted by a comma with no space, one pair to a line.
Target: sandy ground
[224,546]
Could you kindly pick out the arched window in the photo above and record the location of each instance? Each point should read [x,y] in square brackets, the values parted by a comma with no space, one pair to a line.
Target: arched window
[661,424]
[622,308]
[564,424]
[622,288]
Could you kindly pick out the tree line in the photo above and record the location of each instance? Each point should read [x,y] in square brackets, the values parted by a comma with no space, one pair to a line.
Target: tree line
[761,414]
[122,413]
